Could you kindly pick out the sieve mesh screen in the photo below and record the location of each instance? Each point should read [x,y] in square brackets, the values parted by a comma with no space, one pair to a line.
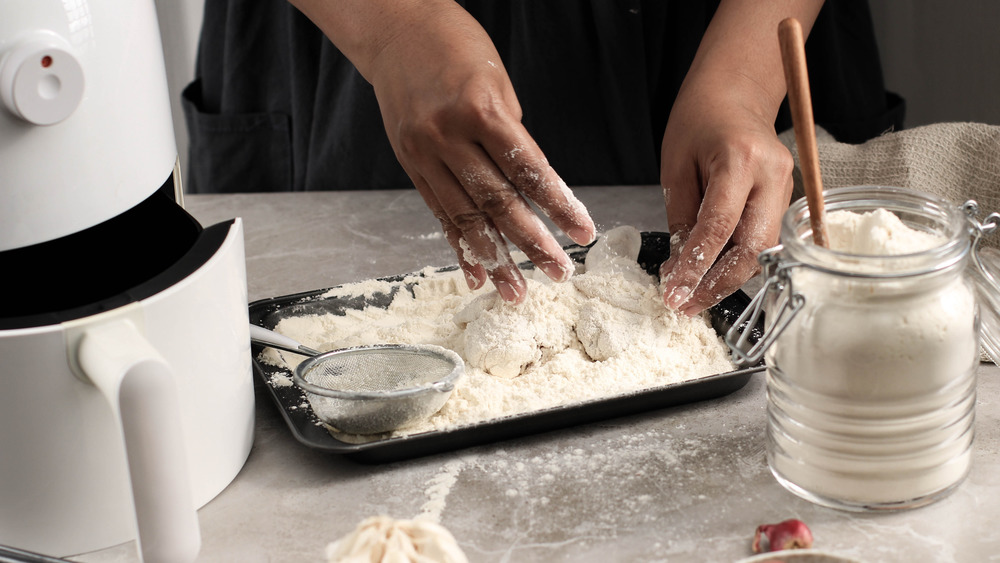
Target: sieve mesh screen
[377,370]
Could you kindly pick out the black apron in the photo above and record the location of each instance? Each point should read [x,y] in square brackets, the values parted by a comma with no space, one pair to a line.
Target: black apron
[276,107]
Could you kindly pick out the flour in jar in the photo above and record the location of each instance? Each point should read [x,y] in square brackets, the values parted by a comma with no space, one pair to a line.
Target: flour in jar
[603,333]
[871,386]
[878,232]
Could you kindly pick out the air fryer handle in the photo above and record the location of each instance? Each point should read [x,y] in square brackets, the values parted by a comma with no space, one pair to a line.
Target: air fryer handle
[141,389]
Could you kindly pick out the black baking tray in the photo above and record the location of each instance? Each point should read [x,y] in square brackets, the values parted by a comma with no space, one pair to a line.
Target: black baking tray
[303,423]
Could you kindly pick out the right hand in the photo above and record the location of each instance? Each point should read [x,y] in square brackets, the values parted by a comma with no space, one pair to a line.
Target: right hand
[454,122]
[727,181]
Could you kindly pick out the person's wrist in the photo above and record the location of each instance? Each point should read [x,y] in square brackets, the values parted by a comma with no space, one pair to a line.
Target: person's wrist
[365,31]
[738,91]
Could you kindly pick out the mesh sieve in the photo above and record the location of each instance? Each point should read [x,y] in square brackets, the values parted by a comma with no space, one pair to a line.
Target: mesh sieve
[377,370]
[373,389]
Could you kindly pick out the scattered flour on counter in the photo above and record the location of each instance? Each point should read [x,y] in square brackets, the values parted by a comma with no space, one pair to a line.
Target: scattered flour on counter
[603,333]
[438,490]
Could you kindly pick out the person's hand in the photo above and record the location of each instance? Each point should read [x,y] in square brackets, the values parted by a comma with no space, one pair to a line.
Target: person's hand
[454,122]
[727,181]
[726,177]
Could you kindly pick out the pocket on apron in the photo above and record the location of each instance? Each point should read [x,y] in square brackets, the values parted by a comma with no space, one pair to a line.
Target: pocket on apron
[236,153]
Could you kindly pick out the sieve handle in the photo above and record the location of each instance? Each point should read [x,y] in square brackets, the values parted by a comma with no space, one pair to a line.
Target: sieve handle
[265,337]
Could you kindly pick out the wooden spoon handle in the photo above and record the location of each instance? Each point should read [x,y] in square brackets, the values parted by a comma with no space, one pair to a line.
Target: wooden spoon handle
[793,58]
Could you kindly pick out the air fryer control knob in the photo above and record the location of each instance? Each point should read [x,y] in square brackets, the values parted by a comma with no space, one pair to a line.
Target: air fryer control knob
[41,81]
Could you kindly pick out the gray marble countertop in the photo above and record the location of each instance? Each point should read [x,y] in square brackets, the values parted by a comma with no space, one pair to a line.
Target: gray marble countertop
[688,483]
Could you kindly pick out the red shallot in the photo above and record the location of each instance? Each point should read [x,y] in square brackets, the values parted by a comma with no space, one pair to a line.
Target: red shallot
[790,534]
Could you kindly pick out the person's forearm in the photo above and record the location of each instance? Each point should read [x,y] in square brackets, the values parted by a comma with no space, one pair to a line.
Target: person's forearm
[361,29]
[741,44]
[454,122]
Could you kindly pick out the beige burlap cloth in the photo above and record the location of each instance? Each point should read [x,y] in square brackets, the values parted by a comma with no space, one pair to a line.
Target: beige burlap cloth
[956,161]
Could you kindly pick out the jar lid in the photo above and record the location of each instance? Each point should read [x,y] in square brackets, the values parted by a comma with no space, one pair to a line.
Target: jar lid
[986,274]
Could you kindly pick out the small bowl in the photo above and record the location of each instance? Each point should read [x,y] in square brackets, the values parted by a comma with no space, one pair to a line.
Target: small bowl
[376,389]
[798,556]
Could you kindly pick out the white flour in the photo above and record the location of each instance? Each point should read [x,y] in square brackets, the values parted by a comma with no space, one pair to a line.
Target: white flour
[876,233]
[871,387]
[601,334]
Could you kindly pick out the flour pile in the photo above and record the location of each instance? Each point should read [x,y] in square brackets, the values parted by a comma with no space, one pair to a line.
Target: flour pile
[604,333]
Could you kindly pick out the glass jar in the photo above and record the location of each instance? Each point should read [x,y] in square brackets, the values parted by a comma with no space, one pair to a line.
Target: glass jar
[871,360]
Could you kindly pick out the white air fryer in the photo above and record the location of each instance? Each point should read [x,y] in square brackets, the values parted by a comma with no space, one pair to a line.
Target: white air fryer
[126,394]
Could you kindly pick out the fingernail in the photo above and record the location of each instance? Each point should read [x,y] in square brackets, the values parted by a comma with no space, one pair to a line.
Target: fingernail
[691,310]
[507,291]
[677,297]
[580,235]
[472,281]
[555,271]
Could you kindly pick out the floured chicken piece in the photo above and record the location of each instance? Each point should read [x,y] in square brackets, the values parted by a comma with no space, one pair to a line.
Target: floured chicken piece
[381,539]
[603,311]
[504,340]
[606,331]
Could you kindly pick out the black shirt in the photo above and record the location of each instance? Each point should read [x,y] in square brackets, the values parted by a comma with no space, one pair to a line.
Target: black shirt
[276,107]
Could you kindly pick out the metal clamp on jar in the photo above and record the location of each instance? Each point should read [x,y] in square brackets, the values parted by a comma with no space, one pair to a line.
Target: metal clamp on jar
[871,359]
